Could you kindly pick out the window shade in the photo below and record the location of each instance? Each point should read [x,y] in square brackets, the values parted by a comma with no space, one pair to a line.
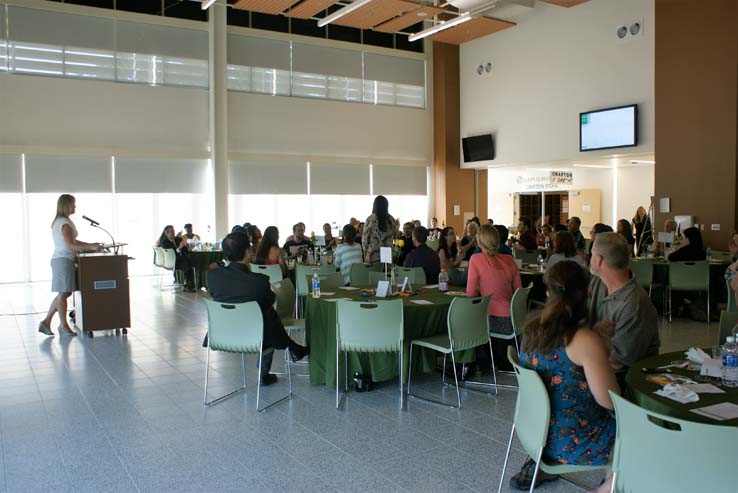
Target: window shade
[312,59]
[68,174]
[136,175]
[10,173]
[400,180]
[258,52]
[139,37]
[339,179]
[60,29]
[394,69]
[267,177]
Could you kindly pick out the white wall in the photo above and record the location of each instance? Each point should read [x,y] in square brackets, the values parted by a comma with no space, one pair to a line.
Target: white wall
[554,64]
[636,185]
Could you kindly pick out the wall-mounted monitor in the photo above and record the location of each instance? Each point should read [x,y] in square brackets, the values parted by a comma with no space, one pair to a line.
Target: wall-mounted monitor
[608,128]
[478,148]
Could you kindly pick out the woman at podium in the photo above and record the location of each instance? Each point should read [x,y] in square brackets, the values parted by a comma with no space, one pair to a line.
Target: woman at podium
[63,270]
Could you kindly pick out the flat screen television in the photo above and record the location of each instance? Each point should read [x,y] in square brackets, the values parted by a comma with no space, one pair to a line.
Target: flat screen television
[608,128]
[478,148]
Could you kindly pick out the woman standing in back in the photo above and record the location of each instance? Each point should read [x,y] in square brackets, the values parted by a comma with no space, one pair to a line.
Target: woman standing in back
[63,269]
[379,230]
[643,230]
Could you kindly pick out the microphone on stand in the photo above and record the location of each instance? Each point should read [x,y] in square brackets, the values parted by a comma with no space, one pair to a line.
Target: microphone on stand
[92,221]
[96,224]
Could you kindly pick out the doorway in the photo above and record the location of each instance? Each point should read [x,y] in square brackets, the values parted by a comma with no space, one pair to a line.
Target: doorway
[556,207]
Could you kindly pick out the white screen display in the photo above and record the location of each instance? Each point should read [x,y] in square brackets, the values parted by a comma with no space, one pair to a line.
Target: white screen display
[608,128]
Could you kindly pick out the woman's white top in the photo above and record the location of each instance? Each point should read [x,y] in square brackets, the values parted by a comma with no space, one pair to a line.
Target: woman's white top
[60,247]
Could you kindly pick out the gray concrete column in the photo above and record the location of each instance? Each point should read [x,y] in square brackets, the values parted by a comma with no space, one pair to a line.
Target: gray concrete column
[218,39]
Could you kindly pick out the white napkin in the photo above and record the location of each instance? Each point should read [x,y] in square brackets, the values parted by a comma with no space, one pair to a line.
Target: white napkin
[712,367]
[696,355]
[678,393]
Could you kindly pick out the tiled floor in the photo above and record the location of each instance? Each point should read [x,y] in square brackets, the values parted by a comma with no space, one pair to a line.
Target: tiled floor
[126,414]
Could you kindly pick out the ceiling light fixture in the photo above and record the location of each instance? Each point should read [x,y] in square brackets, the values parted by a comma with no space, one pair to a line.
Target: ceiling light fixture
[356,4]
[206,4]
[442,26]
[640,161]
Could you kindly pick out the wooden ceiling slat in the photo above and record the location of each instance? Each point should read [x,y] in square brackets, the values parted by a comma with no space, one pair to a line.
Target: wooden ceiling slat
[565,3]
[374,13]
[473,29]
[408,19]
[264,6]
[309,8]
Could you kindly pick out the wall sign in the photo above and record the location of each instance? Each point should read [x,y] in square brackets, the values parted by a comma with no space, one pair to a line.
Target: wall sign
[542,181]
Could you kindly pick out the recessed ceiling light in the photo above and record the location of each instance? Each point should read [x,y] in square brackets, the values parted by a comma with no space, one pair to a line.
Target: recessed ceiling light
[422,14]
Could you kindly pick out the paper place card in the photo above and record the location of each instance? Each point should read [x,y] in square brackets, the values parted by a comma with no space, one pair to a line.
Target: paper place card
[339,299]
[719,412]
[326,293]
[385,255]
[704,388]
[430,286]
[382,289]
[421,302]
[712,368]
[348,288]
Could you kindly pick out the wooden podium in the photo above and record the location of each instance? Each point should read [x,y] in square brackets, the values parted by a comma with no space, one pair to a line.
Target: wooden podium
[103,299]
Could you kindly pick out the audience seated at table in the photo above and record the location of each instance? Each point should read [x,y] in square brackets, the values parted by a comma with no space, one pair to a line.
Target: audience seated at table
[423,256]
[268,251]
[616,297]
[596,229]
[572,361]
[538,227]
[330,240]
[574,224]
[563,250]
[434,232]
[544,236]
[347,253]
[526,239]
[492,273]
[504,233]
[187,234]
[378,231]
[469,240]
[643,230]
[237,284]
[448,253]
[407,242]
[298,244]
[690,248]
[623,228]
[168,241]
[254,234]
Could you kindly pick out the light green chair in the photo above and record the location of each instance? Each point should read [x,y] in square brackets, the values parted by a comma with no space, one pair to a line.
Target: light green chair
[359,273]
[528,258]
[238,328]
[303,286]
[531,421]
[328,282]
[375,327]
[722,256]
[654,452]
[433,244]
[728,320]
[467,329]
[730,305]
[415,275]
[690,276]
[375,277]
[274,271]
[642,270]
[168,259]
[284,305]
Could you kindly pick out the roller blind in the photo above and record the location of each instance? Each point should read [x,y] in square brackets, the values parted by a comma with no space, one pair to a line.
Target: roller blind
[400,180]
[10,173]
[258,52]
[394,69]
[141,175]
[68,174]
[139,37]
[60,29]
[339,179]
[313,59]
[267,177]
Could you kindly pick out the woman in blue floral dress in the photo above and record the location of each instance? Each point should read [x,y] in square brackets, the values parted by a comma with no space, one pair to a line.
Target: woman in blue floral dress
[572,362]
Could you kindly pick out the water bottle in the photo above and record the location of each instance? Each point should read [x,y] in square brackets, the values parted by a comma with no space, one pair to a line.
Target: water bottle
[730,362]
[316,285]
[443,281]
[649,251]
[540,262]
[310,258]
[708,254]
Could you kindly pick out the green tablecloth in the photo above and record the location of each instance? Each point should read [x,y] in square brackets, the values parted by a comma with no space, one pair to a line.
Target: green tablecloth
[200,262]
[641,391]
[420,321]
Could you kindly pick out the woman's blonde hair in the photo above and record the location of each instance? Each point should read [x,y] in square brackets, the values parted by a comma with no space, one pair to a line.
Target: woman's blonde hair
[64,206]
[489,239]
[637,217]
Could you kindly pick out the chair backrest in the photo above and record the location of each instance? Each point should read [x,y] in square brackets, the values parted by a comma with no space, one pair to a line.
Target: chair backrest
[235,327]
[527,257]
[519,308]
[689,276]
[722,255]
[415,275]
[359,273]
[532,408]
[328,282]
[642,270]
[728,320]
[284,292]
[170,258]
[375,277]
[467,322]
[274,271]
[433,244]
[301,270]
[654,452]
[375,326]
[158,256]
[731,305]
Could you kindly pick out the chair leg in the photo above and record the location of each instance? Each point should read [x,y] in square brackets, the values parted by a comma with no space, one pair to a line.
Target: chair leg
[222,397]
[614,478]
[243,368]
[402,372]
[494,383]
[535,470]
[507,456]
[410,368]
[456,378]
[338,359]
[207,367]
[258,381]
[443,374]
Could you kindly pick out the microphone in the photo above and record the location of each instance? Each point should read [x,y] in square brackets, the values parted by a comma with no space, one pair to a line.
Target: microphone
[92,221]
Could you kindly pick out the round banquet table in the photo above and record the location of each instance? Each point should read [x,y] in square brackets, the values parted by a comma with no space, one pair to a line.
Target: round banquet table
[200,261]
[641,391]
[419,321]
